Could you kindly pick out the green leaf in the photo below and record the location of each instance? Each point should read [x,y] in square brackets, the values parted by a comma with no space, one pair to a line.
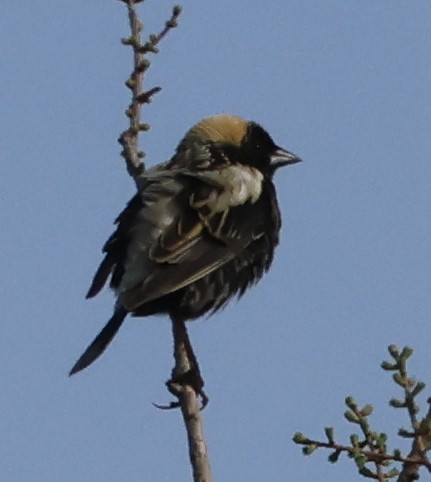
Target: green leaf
[299,438]
[309,449]
[360,461]
[394,402]
[354,440]
[176,10]
[367,473]
[389,366]
[350,402]
[406,353]
[397,453]
[392,473]
[367,410]
[418,388]
[399,379]
[393,350]
[329,431]
[334,456]
[351,417]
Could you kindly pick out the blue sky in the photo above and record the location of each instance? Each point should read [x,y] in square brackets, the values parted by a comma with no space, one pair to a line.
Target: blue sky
[344,84]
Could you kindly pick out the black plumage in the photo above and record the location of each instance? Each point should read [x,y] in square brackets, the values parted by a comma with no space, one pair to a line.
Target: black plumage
[202,230]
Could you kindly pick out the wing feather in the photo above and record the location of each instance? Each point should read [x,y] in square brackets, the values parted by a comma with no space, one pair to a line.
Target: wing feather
[183,226]
[206,229]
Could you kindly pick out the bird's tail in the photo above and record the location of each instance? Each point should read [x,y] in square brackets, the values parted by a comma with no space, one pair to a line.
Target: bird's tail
[99,344]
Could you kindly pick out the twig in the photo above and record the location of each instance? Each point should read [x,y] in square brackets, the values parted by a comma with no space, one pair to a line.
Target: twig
[129,139]
[373,446]
[420,446]
[420,429]
[371,456]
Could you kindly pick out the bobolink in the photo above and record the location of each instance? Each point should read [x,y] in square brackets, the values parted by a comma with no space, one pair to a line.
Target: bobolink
[202,229]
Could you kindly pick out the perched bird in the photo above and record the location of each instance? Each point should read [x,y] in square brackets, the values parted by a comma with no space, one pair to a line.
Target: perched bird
[202,229]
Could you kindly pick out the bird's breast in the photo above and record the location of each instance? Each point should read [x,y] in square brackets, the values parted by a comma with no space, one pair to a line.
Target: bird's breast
[237,184]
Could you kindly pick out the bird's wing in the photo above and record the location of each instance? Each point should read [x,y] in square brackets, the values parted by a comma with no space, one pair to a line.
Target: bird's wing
[202,220]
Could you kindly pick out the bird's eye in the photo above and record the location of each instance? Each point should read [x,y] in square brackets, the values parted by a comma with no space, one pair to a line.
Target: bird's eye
[258,146]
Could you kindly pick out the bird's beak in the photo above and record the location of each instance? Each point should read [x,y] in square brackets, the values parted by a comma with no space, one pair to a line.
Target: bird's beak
[280,157]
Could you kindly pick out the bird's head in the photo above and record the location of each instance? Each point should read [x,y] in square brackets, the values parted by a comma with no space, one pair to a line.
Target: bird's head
[239,140]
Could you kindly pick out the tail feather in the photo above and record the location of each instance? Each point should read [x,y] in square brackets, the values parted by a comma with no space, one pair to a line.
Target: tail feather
[99,279]
[100,343]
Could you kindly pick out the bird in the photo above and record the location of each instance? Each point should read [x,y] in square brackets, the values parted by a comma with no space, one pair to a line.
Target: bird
[201,230]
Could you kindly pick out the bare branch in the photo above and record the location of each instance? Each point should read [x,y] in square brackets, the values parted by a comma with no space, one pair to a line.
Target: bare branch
[129,139]
[190,407]
[186,391]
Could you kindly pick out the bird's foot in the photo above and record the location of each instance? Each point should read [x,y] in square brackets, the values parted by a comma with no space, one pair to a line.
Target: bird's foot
[191,378]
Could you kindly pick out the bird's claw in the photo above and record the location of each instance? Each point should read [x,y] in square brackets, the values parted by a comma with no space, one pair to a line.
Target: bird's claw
[175,385]
[171,406]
